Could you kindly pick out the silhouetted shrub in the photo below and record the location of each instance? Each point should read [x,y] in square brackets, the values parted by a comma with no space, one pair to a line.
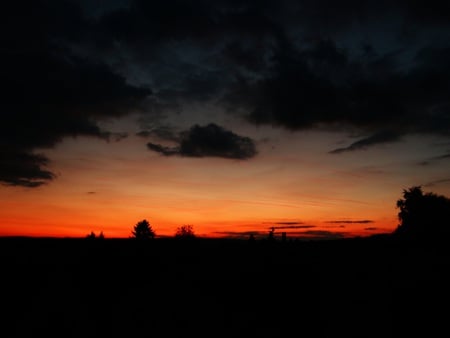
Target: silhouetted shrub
[423,215]
[143,230]
[185,232]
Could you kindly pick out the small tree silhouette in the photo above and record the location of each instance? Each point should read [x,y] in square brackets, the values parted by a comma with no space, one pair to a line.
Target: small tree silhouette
[143,230]
[91,235]
[185,231]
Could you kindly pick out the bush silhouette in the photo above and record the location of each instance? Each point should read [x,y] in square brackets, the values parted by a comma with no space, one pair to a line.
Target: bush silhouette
[93,236]
[185,231]
[143,230]
[423,215]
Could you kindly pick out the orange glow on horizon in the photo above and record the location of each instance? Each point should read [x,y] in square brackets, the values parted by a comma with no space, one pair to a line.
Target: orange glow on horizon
[218,197]
[60,224]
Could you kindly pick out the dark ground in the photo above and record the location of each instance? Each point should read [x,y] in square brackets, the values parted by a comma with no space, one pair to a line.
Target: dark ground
[223,288]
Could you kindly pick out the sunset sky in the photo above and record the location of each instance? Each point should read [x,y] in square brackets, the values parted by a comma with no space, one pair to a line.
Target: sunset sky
[230,116]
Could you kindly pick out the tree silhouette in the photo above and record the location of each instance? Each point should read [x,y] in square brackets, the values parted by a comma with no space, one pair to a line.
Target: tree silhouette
[143,230]
[423,215]
[185,231]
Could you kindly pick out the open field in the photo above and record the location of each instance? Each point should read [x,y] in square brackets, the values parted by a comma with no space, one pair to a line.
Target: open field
[222,288]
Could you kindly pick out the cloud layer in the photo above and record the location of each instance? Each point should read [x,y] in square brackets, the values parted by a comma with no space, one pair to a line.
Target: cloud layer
[49,92]
[376,67]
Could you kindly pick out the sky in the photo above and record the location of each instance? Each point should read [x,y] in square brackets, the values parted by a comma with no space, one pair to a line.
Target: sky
[234,117]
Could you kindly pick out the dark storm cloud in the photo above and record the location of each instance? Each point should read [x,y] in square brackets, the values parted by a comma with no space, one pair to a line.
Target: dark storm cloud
[293,95]
[189,50]
[381,137]
[49,92]
[368,66]
[24,169]
[209,141]
[323,87]
[160,21]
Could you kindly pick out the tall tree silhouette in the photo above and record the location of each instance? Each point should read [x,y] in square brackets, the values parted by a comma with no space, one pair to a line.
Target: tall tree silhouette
[185,231]
[423,215]
[143,230]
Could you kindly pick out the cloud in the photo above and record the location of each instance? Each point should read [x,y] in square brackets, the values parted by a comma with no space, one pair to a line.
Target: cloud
[293,227]
[381,137]
[50,92]
[437,182]
[290,64]
[23,169]
[164,133]
[209,141]
[283,223]
[323,86]
[443,157]
[166,151]
[434,159]
[362,221]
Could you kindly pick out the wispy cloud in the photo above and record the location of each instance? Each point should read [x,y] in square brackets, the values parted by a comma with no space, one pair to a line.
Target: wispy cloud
[375,139]
[362,221]
[435,159]
[292,227]
[437,182]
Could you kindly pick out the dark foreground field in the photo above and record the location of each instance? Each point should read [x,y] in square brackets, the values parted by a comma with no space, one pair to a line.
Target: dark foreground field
[223,288]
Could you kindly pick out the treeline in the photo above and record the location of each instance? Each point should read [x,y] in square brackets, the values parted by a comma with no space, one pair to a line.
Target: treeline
[422,216]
